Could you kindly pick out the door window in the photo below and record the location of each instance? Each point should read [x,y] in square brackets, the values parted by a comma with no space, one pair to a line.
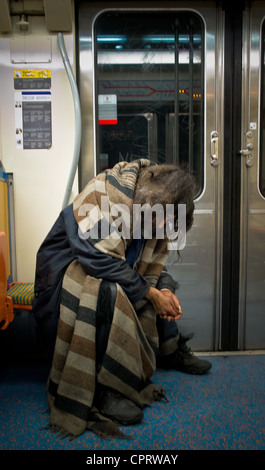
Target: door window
[262,117]
[150,88]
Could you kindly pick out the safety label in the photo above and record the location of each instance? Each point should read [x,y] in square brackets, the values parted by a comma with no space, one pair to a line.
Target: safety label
[107,109]
[33,120]
[29,79]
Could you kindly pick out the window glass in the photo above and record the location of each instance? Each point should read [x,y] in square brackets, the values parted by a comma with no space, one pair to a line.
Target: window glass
[150,88]
[262,118]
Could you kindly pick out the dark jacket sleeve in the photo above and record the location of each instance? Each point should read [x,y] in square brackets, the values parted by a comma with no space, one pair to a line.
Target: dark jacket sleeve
[166,281]
[101,265]
[53,257]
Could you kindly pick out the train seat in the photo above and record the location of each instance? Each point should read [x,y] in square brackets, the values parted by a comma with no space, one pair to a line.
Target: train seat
[6,305]
[16,296]
[22,294]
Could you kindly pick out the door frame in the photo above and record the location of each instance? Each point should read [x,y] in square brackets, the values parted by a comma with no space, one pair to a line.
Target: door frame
[232,228]
[252,202]
[209,206]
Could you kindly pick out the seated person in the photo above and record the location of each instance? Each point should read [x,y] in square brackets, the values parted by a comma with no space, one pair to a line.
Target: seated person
[105,301]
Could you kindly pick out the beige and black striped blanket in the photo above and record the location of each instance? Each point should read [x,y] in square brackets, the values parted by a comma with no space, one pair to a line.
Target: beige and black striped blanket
[129,360]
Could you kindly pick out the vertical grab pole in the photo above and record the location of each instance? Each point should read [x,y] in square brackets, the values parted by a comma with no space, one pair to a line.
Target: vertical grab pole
[78,119]
[191,98]
[176,100]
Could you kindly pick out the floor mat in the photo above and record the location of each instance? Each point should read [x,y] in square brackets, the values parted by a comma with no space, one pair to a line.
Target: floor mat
[222,410]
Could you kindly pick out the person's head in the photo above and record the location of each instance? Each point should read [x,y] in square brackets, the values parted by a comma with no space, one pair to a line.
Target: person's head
[167,184]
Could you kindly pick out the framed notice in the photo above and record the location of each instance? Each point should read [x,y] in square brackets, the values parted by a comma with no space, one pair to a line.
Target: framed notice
[107,109]
[33,127]
[28,79]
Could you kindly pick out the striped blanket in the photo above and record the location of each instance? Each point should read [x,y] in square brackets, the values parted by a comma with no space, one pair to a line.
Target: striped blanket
[129,360]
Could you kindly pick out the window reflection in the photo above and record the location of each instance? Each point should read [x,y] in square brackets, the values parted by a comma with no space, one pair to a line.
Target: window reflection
[262,118]
[152,63]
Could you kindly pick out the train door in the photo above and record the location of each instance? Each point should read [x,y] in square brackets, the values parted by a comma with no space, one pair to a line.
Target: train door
[252,259]
[149,88]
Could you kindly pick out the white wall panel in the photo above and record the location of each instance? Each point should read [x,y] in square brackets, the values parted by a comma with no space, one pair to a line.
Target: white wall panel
[40,176]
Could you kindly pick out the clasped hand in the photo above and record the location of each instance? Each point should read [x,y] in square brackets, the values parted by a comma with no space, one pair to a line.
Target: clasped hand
[165,303]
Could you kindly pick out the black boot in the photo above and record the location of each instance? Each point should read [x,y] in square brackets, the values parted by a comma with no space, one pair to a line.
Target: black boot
[117,407]
[184,360]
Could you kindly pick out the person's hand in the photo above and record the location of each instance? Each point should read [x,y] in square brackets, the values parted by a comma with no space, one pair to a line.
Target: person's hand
[175,300]
[165,303]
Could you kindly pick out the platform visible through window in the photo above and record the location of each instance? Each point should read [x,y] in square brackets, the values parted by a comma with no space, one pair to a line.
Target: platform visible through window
[150,88]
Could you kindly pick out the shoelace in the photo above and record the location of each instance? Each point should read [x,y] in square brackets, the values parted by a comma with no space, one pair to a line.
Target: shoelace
[186,351]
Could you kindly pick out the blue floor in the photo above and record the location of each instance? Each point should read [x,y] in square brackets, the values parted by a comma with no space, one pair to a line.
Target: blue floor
[223,410]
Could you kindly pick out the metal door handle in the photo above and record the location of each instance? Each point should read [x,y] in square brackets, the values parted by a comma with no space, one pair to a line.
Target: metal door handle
[247,152]
[214,148]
